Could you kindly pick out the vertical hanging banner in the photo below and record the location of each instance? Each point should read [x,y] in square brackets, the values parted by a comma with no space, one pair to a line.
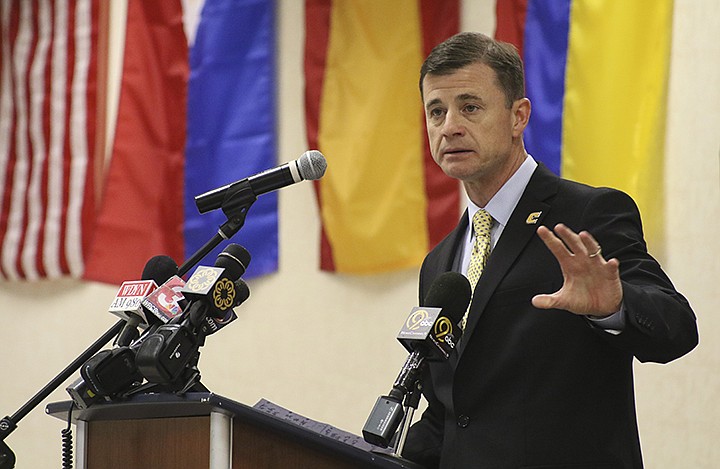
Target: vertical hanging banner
[141,210]
[383,201]
[597,75]
[48,51]
[231,122]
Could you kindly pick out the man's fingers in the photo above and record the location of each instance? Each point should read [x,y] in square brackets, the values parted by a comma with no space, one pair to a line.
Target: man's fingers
[544,301]
[571,239]
[592,247]
[591,284]
[553,243]
[563,240]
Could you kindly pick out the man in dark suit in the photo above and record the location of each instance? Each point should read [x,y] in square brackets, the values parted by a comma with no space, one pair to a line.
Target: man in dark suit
[566,297]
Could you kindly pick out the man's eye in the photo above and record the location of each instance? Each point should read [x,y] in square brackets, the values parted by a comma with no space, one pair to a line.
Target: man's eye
[435,113]
[471,108]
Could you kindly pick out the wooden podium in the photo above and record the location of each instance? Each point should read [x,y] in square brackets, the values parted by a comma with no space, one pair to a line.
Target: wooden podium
[205,430]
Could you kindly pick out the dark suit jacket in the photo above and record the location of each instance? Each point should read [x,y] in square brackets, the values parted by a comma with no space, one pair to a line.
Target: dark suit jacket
[546,388]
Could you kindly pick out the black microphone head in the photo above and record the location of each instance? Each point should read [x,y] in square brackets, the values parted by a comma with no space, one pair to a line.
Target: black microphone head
[311,165]
[235,259]
[160,269]
[450,291]
[242,292]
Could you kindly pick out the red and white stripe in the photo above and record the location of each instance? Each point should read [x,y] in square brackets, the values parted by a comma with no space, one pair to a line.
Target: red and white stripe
[46,131]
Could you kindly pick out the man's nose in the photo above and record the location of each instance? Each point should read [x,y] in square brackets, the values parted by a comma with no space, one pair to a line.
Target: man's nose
[453,124]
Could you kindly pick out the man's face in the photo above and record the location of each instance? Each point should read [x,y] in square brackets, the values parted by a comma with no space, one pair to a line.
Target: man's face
[470,128]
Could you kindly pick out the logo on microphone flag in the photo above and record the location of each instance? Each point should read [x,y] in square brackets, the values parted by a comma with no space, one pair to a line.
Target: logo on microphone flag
[136,288]
[129,298]
[164,301]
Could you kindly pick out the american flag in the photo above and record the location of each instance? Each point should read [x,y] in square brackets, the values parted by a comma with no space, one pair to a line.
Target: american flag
[47,136]
[71,207]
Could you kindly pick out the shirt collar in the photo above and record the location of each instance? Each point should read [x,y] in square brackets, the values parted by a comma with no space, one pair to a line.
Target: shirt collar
[502,204]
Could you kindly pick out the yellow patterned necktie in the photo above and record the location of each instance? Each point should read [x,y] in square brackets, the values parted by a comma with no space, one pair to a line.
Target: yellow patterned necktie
[482,222]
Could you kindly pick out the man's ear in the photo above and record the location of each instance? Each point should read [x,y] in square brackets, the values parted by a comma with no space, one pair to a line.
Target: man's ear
[521,115]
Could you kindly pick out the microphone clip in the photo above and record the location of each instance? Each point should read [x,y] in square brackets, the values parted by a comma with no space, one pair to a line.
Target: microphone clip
[238,200]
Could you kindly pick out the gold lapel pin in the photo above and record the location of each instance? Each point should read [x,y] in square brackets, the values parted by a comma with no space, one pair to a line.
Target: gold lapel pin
[533,218]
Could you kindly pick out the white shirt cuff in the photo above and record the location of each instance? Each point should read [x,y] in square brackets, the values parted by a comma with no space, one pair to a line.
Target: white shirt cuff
[614,324]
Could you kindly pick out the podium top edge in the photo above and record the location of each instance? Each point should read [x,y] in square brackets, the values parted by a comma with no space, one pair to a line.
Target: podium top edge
[195,404]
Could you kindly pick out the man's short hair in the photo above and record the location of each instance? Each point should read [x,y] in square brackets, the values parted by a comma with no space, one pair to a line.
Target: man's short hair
[467,48]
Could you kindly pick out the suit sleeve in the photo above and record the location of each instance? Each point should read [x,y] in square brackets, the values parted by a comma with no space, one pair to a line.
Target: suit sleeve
[660,324]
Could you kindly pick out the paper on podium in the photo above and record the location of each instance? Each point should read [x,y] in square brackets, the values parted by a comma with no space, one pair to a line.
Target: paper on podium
[318,427]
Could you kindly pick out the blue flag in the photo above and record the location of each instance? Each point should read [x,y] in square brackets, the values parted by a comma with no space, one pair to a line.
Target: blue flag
[231,123]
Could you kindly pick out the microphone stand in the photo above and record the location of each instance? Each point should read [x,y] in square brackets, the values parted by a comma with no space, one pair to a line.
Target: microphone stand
[235,206]
[412,400]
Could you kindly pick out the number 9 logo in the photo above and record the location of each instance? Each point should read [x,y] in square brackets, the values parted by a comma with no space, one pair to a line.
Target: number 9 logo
[415,320]
[443,327]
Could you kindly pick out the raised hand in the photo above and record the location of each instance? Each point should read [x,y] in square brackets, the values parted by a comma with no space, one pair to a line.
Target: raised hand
[591,285]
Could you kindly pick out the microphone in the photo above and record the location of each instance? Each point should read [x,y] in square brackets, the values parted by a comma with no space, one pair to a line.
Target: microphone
[310,166]
[208,325]
[215,287]
[213,292]
[431,332]
[106,374]
[112,371]
[127,303]
[166,302]
[433,329]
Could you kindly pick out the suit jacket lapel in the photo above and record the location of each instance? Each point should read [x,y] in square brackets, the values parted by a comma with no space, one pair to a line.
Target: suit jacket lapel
[522,225]
[443,257]
[448,251]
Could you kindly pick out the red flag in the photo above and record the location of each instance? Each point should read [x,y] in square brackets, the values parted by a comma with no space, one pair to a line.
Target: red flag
[141,209]
[510,25]
[48,53]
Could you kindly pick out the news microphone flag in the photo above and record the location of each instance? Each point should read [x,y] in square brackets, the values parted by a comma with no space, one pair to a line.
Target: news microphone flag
[164,302]
[129,298]
[425,328]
